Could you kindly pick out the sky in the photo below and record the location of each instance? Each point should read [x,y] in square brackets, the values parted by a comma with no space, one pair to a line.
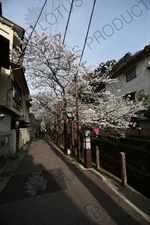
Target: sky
[117,26]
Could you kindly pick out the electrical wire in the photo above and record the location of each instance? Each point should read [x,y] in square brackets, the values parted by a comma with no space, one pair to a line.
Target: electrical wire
[23,51]
[51,16]
[57,17]
[87,31]
[46,13]
[68,21]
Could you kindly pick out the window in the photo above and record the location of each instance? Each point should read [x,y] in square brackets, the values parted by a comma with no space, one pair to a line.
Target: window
[16,93]
[131,75]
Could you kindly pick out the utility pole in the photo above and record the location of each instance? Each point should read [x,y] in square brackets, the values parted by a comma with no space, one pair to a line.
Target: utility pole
[65,127]
[77,116]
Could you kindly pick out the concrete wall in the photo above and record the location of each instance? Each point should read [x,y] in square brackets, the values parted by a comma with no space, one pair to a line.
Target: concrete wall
[7,32]
[8,142]
[5,137]
[5,123]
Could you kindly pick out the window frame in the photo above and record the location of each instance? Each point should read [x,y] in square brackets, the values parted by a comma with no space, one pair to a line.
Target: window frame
[129,75]
[16,93]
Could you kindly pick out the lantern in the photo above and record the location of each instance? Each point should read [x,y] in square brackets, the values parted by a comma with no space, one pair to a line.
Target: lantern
[59,108]
[96,130]
[79,127]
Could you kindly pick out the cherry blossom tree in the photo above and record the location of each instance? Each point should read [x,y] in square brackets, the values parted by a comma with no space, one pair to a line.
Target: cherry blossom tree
[111,113]
[50,68]
[49,64]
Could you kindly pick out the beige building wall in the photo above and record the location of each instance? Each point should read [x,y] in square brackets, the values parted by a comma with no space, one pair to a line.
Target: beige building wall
[7,32]
[5,85]
[142,81]
[8,138]
[25,108]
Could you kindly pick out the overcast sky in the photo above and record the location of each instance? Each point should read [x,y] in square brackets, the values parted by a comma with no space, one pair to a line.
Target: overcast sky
[117,27]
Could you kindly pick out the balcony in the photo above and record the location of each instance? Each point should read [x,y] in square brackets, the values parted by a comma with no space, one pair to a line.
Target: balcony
[16,105]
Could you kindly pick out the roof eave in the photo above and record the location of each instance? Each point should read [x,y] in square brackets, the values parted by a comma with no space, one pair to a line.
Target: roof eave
[132,62]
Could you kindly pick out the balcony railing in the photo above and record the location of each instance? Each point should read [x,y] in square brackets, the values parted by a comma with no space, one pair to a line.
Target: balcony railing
[16,105]
[11,102]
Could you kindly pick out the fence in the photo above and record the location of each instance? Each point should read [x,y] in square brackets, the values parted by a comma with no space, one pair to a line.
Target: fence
[137,161]
[144,133]
[25,135]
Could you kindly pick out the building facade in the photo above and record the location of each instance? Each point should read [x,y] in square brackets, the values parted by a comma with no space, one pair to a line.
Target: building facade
[14,94]
[132,77]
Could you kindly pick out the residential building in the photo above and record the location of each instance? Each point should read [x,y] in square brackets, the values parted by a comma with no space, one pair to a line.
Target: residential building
[132,77]
[14,94]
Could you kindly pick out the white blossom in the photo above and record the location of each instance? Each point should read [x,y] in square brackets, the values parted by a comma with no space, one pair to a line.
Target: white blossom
[51,68]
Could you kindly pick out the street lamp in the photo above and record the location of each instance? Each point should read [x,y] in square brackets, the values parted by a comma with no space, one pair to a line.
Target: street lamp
[70,117]
[2,116]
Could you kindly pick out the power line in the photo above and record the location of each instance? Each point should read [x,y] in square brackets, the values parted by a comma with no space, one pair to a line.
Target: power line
[51,16]
[30,35]
[57,16]
[46,13]
[35,24]
[87,31]
[68,21]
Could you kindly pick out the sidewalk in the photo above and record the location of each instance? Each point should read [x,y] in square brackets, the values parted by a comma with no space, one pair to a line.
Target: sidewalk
[41,187]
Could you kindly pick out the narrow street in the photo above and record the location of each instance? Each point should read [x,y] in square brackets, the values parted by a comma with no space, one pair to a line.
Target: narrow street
[46,189]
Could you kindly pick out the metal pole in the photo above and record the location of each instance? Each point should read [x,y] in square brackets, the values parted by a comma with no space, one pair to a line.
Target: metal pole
[77,116]
[65,127]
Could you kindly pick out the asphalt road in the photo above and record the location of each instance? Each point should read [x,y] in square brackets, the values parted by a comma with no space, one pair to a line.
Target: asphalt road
[46,189]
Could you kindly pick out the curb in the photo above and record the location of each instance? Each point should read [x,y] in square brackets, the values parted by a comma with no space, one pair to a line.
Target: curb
[142,199]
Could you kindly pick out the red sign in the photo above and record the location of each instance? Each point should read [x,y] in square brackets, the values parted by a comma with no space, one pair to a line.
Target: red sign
[96,130]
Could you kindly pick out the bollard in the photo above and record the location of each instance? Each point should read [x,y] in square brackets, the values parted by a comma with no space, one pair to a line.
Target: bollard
[123,169]
[87,158]
[97,158]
